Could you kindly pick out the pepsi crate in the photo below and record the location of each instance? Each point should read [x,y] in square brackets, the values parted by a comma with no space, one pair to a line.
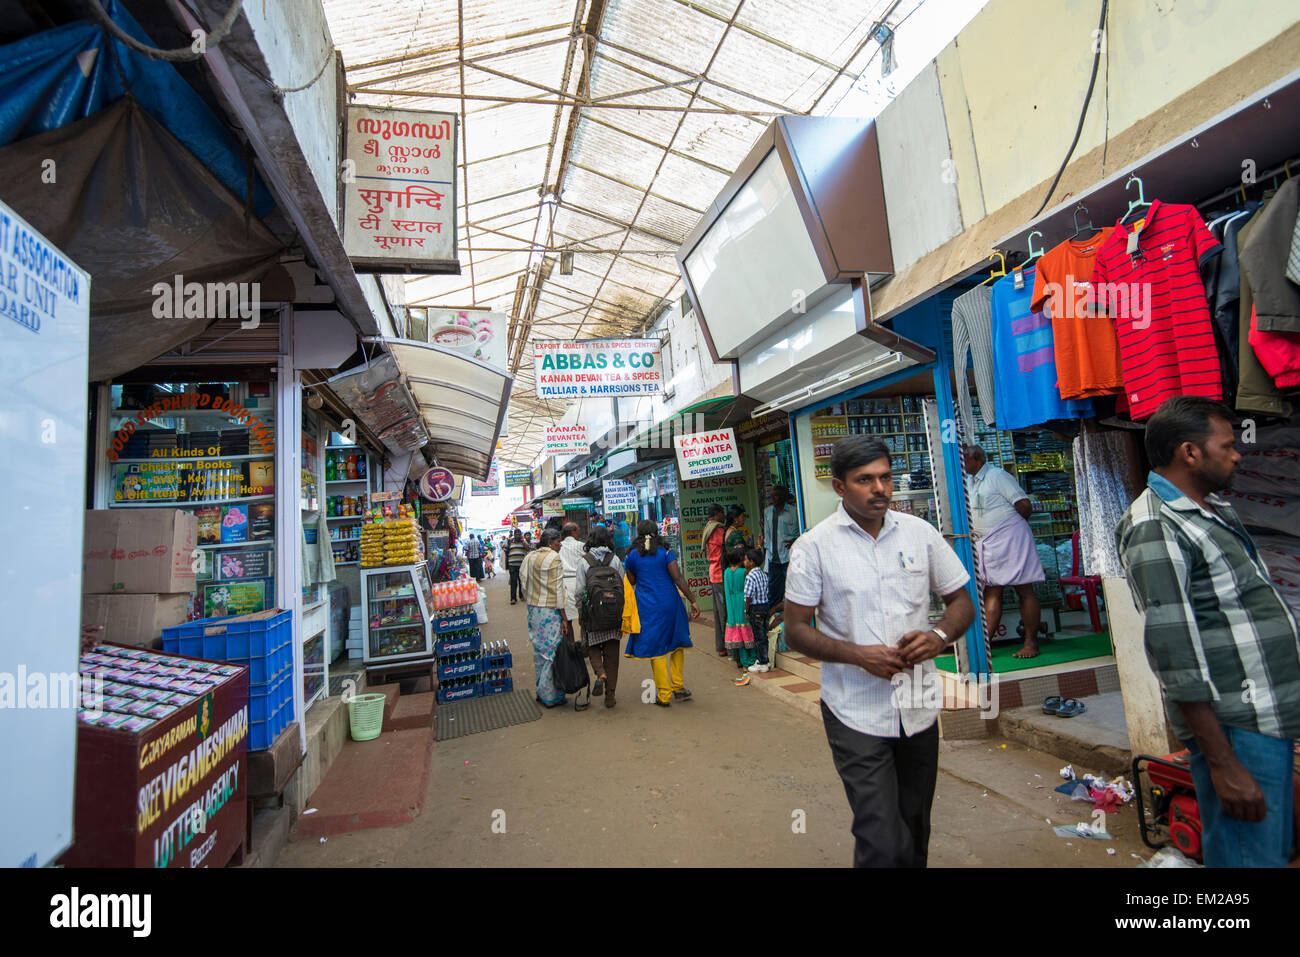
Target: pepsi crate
[501,662]
[444,624]
[458,644]
[460,669]
[497,685]
[460,693]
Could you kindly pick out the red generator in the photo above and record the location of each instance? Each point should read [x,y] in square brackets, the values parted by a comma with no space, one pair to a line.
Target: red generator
[1171,801]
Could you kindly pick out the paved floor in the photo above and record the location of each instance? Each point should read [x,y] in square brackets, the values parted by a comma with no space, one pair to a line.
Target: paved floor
[735,777]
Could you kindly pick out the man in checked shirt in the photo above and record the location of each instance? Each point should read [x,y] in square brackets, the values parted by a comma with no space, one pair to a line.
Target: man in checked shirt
[1218,635]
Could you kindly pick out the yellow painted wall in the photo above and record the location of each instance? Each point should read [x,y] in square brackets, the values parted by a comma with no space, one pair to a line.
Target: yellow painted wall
[1020,70]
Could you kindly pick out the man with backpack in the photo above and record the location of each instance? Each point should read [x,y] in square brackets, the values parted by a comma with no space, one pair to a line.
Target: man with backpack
[599,589]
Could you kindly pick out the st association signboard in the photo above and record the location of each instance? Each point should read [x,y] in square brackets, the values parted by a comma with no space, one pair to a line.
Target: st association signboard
[597,367]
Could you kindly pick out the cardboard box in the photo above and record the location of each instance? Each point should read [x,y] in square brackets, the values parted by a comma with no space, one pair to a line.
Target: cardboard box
[136,620]
[139,551]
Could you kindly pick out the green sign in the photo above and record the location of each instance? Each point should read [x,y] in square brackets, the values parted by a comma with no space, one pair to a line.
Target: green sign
[572,504]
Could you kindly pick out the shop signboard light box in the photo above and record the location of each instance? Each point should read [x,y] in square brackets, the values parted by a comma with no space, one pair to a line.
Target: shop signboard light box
[44,338]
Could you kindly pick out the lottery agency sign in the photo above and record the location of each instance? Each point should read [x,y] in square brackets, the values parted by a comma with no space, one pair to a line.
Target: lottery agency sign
[597,368]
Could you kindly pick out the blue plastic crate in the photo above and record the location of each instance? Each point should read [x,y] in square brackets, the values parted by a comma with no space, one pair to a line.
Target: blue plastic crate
[460,669]
[458,644]
[460,694]
[225,639]
[260,736]
[498,686]
[501,662]
[448,623]
[262,702]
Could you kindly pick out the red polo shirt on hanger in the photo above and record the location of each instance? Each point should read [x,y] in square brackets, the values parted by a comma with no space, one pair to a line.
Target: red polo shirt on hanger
[1152,291]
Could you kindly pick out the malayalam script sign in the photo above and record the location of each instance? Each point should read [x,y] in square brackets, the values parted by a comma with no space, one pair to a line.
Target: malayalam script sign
[619,496]
[400,189]
[518,478]
[567,440]
[702,454]
[597,367]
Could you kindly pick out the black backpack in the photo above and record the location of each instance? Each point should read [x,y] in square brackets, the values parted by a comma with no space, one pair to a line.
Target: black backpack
[602,602]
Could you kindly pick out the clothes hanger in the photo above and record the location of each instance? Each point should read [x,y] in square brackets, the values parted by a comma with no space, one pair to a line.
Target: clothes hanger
[1079,230]
[996,273]
[1033,253]
[1140,202]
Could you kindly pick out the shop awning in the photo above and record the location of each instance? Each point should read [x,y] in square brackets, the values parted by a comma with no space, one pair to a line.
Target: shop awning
[461,400]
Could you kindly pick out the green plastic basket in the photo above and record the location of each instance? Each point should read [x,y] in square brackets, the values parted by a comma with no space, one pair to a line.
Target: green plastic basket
[366,716]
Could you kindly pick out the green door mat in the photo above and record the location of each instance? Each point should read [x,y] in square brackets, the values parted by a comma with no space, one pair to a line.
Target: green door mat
[1053,651]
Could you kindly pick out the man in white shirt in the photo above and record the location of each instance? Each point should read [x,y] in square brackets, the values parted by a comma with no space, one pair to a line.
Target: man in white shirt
[1005,553]
[571,551]
[780,529]
[867,573]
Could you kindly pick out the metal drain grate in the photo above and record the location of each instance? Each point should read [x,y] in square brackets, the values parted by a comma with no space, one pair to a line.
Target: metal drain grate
[484,714]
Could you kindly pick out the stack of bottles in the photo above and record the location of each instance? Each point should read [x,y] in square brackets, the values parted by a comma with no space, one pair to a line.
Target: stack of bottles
[459,593]
[483,669]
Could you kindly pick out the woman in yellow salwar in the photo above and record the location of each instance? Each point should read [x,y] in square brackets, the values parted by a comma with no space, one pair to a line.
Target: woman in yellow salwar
[665,634]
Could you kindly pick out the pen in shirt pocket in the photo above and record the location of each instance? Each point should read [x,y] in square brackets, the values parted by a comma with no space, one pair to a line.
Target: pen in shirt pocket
[901,564]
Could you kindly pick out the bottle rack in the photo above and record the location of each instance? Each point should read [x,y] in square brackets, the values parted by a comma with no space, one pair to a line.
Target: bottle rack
[468,668]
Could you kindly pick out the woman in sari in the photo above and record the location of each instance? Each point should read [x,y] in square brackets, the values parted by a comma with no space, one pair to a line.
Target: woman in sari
[542,577]
[738,534]
[665,633]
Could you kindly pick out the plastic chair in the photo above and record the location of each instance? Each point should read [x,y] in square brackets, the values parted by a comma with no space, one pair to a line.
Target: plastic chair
[1089,583]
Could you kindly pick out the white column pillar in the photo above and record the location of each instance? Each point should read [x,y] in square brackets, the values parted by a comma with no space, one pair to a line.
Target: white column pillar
[1144,708]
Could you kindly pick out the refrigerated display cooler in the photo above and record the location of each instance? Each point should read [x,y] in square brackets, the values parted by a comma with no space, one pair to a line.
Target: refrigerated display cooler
[397,608]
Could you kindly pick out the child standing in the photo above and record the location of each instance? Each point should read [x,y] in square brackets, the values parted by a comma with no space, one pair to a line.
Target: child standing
[739,636]
[756,605]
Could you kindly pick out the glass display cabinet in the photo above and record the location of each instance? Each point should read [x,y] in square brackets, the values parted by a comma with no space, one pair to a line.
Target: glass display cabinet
[398,605]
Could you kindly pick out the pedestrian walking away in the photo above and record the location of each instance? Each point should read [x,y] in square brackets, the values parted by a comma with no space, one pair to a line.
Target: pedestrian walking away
[622,533]
[779,531]
[715,531]
[867,572]
[542,577]
[1005,553]
[665,633]
[601,603]
[571,552]
[474,555]
[1222,641]
[515,552]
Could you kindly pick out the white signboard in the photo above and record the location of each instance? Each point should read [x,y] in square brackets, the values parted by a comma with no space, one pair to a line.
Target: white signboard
[702,454]
[399,180]
[476,333]
[567,440]
[552,508]
[619,496]
[597,367]
[44,335]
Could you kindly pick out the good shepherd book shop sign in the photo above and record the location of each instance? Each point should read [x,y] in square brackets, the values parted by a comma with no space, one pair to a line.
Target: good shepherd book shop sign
[702,454]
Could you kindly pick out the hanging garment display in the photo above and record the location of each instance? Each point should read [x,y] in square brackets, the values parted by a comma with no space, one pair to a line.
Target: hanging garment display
[1101,479]
[1024,360]
[1256,391]
[1267,471]
[972,332]
[1264,261]
[1277,352]
[1222,277]
[1147,279]
[1087,351]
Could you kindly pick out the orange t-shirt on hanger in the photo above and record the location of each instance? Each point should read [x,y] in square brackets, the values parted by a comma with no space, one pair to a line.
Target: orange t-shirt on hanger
[1087,350]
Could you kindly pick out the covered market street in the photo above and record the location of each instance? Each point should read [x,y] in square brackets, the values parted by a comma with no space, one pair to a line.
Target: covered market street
[717,781]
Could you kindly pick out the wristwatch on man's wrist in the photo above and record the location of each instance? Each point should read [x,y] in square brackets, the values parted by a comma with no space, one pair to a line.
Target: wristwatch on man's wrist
[943,635]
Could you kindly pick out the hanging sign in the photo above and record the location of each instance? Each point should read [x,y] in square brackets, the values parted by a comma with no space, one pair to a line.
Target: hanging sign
[436,485]
[619,496]
[702,454]
[483,489]
[518,478]
[597,367]
[552,508]
[574,504]
[567,440]
[475,333]
[400,190]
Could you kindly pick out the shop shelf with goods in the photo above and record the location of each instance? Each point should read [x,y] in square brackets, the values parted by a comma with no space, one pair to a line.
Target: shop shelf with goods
[397,613]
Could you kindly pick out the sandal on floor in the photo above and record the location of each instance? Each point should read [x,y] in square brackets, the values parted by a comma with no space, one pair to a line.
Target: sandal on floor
[742,680]
[1071,707]
[1052,705]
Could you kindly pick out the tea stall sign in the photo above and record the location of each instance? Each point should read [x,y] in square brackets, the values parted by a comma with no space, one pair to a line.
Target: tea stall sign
[567,440]
[399,210]
[702,454]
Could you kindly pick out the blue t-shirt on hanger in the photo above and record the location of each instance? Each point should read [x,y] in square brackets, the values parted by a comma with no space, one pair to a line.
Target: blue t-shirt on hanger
[1024,361]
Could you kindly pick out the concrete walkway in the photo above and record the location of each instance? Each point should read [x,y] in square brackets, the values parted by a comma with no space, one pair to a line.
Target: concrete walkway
[734,777]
